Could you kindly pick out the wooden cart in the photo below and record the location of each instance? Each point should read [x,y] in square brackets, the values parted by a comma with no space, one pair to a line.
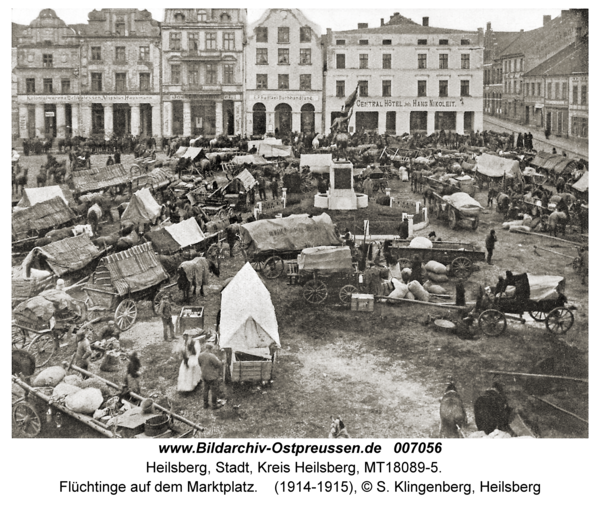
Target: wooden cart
[443,209]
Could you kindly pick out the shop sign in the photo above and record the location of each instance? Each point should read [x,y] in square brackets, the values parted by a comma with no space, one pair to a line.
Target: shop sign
[280,98]
[49,114]
[89,98]
[408,104]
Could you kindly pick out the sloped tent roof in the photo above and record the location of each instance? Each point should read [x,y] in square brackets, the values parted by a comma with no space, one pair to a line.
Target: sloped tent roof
[540,158]
[186,232]
[495,166]
[31,196]
[163,241]
[248,321]
[545,287]
[269,140]
[274,151]
[559,164]
[142,207]
[583,184]
[247,179]
[70,254]
[463,201]
[40,216]
[192,152]
[318,163]
[326,259]
[253,159]
[181,151]
[100,177]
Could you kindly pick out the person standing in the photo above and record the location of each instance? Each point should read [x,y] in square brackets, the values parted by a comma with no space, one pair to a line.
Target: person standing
[403,229]
[84,350]
[190,374]
[368,187]
[490,244]
[134,371]
[262,185]
[275,188]
[211,370]
[117,156]
[165,312]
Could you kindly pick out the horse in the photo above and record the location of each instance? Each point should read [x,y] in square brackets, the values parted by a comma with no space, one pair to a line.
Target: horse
[20,181]
[453,417]
[557,220]
[341,142]
[194,273]
[492,411]
[338,428]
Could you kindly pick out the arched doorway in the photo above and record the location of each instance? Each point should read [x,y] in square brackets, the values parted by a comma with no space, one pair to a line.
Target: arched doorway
[307,118]
[259,119]
[283,119]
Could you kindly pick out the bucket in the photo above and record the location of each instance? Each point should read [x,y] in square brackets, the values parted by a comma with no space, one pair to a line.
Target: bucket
[156,425]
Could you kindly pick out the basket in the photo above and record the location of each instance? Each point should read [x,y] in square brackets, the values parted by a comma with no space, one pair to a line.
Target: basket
[156,425]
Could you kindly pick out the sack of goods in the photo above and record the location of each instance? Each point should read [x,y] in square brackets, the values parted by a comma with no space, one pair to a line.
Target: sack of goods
[419,291]
[517,229]
[406,273]
[96,384]
[400,289]
[395,271]
[508,224]
[437,278]
[50,377]
[86,401]
[410,296]
[434,288]
[73,380]
[435,267]
[527,220]
[64,389]
[421,243]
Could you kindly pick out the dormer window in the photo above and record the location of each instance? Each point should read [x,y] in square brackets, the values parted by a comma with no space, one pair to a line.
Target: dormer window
[443,42]
[225,18]
[202,16]
[387,42]
[179,17]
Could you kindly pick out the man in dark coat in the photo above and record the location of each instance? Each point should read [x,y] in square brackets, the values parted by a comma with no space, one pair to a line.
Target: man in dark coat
[165,312]
[211,370]
[403,229]
[490,244]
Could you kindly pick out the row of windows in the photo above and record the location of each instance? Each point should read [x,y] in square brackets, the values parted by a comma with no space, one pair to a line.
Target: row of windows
[492,76]
[386,88]
[516,65]
[388,42]
[209,71]
[120,53]
[283,56]
[386,61]
[579,127]
[283,34]
[96,81]
[283,81]
[210,41]
[47,85]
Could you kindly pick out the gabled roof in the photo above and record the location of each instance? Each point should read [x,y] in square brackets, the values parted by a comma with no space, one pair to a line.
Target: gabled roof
[572,59]
[504,39]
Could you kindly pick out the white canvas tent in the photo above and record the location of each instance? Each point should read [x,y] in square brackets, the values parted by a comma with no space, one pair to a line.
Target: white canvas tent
[31,196]
[248,322]
[247,179]
[192,152]
[142,208]
[186,233]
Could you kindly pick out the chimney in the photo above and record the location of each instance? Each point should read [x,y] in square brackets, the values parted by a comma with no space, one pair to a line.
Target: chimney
[396,14]
[426,21]
[382,22]
[547,20]
[489,26]
[363,25]
[480,37]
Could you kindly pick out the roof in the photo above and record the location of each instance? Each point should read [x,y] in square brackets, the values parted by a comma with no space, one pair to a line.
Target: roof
[162,241]
[558,164]
[399,24]
[573,59]
[496,166]
[248,320]
[100,177]
[253,159]
[247,179]
[186,232]
[142,207]
[583,184]
[192,152]
[32,196]
[504,39]
[540,158]
[70,254]
[40,216]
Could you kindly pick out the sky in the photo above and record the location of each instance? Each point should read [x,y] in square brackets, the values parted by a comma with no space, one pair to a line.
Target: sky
[506,19]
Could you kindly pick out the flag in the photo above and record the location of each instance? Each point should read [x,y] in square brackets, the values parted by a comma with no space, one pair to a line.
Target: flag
[351,99]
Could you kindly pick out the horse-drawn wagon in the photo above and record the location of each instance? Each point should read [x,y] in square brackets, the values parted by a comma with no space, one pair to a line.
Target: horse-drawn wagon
[456,207]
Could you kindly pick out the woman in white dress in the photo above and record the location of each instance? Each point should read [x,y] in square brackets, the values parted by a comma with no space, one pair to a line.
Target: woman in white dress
[189,371]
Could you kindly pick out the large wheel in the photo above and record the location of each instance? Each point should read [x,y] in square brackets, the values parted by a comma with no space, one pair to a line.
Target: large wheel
[222,214]
[492,322]
[257,265]
[20,338]
[157,299]
[273,267]
[346,293]
[538,315]
[42,349]
[126,314]
[452,219]
[26,420]
[315,291]
[560,320]
[461,267]
[475,223]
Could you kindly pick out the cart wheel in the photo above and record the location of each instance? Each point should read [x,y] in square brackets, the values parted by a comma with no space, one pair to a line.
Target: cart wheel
[222,214]
[125,314]
[560,320]
[475,223]
[19,338]
[26,419]
[461,267]
[273,267]
[257,265]
[452,219]
[82,316]
[42,349]
[346,293]
[156,300]
[538,315]
[315,291]
[492,322]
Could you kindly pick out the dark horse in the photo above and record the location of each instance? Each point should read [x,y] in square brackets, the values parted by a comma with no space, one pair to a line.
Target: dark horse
[492,411]
[194,273]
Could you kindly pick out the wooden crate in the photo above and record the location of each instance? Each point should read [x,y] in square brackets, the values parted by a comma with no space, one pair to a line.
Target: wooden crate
[251,371]
[190,317]
[362,303]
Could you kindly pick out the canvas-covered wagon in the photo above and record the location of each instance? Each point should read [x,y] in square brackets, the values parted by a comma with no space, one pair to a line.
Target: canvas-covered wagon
[457,207]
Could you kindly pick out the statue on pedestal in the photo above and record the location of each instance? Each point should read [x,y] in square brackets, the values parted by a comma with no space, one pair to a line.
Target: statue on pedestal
[339,127]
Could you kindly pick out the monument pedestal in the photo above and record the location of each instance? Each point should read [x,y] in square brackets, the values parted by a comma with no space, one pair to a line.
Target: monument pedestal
[341,193]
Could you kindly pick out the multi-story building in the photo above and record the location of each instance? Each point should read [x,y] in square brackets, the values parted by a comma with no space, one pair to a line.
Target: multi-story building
[14,87]
[284,74]
[203,71]
[410,77]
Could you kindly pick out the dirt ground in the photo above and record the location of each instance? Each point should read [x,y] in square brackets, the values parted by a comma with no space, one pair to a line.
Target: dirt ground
[383,372]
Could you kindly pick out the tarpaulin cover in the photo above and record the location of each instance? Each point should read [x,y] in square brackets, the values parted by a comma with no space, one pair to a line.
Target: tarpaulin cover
[559,164]
[463,202]
[274,151]
[23,288]
[70,254]
[292,233]
[247,179]
[248,321]
[142,207]
[135,269]
[181,151]
[42,215]
[583,183]
[31,196]
[186,232]
[495,166]
[192,152]
[318,163]
[545,287]
[268,140]
[163,242]
[252,159]
[101,177]
[541,157]
[326,258]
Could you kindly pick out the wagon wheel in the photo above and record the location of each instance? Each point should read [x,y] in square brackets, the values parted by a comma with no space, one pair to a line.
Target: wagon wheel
[26,419]
[257,265]
[461,267]
[346,293]
[82,316]
[475,223]
[42,349]
[560,320]
[538,315]
[492,322]
[315,291]
[273,267]
[157,299]
[125,314]
[222,214]
[19,338]
[452,219]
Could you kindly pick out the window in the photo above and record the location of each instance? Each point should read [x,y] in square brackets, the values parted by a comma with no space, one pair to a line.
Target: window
[340,88]
[422,60]
[522,64]
[549,94]
[422,42]
[96,53]
[120,82]
[30,85]
[387,42]
[363,88]
[557,91]
[202,16]
[465,61]
[65,86]
[363,61]
[564,91]
[575,93]
[120,53]
[283,35]
[387,61]
[120,27]
[386,88]
[464,88]
[96,81]
[443,42]
[421,88]
[262,34]
[175,74]
[228,73]
[465,42]
[225,18]
[283,56]
[211,73]
[363,42]
[145,81]
[194,74]
[283,81]
[144,53]
[262,56]
[340,42]
[539,89]
[211,40]
[305,33]
[175,41]
[261,81]
[526,89]
[193,41]
[47,85]
[47,60]
[305,57]
[179,17]
[443,61]
[340,60]
[443,88]
[305,82]
[228,41]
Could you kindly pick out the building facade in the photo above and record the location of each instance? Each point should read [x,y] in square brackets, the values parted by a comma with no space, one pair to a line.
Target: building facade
[284,74]
[410,77]
[203,71]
